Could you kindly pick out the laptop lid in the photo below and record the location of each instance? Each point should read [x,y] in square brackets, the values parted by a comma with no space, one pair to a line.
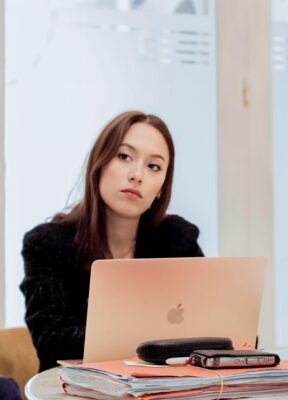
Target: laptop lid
[132,301]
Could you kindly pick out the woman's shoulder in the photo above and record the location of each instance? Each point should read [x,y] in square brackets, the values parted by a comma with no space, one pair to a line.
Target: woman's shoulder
[173,225]
[173,237]
[51,231]
[47,237]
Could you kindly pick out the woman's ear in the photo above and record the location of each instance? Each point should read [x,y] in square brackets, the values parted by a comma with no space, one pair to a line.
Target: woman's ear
[158,195]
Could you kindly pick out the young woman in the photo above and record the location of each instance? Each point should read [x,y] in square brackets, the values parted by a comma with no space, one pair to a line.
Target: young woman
[121,215]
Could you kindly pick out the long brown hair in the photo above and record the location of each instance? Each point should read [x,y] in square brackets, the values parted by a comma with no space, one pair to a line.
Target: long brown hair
[89,214]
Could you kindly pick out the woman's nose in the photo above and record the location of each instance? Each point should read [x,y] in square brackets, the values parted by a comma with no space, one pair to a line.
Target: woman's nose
[136,175]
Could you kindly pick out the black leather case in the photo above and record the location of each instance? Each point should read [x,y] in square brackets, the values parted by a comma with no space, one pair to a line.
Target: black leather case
[199,358]
[158,351]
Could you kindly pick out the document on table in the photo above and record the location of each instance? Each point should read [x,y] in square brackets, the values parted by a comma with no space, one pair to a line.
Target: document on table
[116,379]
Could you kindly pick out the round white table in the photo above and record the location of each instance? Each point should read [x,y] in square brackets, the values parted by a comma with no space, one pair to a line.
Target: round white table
[46,386]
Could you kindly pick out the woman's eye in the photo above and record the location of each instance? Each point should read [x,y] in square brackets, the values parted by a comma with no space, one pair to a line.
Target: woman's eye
[124,156]
[154,167]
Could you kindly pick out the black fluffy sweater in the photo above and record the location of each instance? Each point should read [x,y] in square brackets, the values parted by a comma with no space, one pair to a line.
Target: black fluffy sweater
[56,288]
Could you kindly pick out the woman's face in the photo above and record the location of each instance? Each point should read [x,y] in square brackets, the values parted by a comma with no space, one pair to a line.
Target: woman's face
[130,182]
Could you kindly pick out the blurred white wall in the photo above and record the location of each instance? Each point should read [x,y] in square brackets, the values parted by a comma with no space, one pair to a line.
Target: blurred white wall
[280,163]
[71,67]
[2,169]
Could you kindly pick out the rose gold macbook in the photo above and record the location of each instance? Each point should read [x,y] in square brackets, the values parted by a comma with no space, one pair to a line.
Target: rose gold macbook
[132,301]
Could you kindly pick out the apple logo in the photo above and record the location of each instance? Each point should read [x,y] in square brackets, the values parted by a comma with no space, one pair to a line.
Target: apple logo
[175,315]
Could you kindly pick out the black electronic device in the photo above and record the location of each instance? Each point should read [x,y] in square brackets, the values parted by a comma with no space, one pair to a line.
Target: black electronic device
[215,359]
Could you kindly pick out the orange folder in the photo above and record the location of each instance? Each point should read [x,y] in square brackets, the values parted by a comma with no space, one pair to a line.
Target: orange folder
[118,367]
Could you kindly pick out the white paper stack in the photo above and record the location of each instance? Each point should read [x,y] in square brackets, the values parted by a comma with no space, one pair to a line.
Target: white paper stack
[116,380]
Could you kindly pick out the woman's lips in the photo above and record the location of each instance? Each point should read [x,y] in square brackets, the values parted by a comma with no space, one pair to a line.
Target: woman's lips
[133,193]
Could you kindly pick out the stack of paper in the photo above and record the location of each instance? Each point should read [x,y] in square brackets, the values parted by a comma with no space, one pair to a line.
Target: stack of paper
[117,380]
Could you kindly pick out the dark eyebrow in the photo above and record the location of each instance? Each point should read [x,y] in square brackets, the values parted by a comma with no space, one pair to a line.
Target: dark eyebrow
[133,148]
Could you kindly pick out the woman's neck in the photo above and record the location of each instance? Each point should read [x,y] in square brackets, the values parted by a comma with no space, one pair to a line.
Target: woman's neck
[121,235]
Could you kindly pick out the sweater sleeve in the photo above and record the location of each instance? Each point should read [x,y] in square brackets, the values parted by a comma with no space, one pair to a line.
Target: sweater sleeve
[51,315]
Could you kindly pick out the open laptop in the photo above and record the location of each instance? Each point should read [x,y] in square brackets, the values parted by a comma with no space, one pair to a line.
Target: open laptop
[132,301]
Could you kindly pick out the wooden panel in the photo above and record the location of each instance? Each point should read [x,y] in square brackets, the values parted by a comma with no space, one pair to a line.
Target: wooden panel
[245,139]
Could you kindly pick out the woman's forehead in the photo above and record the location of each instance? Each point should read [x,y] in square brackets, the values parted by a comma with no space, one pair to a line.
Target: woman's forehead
[145,138]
